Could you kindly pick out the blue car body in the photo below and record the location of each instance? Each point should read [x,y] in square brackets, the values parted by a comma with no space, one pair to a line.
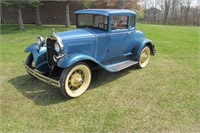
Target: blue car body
[114,44]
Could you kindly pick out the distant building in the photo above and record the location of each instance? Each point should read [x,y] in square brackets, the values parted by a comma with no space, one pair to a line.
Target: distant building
[152,15]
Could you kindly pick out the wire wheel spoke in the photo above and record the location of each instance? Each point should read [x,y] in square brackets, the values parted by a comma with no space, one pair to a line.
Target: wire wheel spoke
[76,80]
[144,57]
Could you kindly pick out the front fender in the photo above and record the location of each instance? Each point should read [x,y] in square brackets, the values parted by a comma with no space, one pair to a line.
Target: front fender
[139,46]
[32,48]
[68,60]
[39,57]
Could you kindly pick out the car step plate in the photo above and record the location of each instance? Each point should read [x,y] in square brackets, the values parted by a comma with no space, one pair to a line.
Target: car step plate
[122,65]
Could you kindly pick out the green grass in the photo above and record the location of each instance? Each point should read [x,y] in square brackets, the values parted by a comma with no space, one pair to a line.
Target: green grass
[165,96]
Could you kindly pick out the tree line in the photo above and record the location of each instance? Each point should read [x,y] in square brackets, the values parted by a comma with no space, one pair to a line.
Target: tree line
[176,12]
[19,4]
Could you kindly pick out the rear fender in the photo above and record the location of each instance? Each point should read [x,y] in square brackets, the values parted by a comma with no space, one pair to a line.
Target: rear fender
[140,45]
[39,57]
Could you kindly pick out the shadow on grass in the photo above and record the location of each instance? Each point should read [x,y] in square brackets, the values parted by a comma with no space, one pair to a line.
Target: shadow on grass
[43,94]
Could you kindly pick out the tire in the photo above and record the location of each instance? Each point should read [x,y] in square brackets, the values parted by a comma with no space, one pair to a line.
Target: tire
[144,57]
[29,61]
[75,80]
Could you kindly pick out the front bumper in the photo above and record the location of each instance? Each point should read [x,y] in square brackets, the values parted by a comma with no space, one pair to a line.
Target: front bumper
[41,77]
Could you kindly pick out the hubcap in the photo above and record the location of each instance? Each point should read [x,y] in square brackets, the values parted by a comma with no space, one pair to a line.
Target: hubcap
[76,80]
[145,56]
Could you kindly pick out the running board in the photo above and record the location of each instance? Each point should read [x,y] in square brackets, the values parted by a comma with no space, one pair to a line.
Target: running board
[122,65]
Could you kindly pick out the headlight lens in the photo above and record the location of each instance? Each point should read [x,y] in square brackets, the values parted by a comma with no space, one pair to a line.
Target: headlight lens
[40,41]
[58,46]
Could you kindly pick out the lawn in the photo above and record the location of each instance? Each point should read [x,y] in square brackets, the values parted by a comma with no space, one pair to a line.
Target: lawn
[165,96]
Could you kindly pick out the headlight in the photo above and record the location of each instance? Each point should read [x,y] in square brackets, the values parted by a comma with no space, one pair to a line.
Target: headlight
[58,46]
[40,41]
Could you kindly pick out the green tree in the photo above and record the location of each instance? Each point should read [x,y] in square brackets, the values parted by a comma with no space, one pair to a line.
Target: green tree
[18,5]
[67,23]
[36,4]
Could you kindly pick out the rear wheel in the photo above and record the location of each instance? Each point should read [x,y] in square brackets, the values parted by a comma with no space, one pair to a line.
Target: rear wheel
[75,80]
[144,57]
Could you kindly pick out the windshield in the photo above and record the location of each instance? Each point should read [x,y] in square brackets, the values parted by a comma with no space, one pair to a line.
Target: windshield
[92,21]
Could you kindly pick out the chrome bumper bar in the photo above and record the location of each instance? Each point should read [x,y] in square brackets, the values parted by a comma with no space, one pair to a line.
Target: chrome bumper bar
[41,77]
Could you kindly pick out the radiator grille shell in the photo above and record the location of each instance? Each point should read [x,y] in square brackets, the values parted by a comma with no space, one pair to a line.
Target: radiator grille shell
[51,52]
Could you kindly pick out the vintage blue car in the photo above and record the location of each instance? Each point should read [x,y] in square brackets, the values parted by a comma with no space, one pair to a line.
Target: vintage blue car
[105,38]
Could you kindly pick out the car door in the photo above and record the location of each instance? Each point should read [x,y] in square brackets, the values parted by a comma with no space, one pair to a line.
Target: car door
[119,36]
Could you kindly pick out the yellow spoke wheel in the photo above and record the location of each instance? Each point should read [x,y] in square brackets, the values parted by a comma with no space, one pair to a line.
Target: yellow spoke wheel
[75,80]
[144,57]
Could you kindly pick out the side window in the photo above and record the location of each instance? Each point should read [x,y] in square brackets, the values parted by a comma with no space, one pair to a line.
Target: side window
[132,21]
[101,22]
[119,22]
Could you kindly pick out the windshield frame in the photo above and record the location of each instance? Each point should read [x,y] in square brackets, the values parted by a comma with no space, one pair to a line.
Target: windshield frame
[92,26]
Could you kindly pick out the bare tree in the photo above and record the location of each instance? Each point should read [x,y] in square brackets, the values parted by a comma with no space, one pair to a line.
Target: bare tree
[187,9]
[179,12]
[88,3]
[102,3]
[121,4]
[174,12]
[196,14]
[147,4]
[165,6]
[154,11]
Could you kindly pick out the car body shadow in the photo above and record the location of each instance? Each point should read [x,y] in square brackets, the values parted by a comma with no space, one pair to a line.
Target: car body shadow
[43,94]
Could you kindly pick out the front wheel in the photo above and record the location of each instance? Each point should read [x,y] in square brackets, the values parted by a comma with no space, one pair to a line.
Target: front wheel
[29,61]
[75,80]
[144,57]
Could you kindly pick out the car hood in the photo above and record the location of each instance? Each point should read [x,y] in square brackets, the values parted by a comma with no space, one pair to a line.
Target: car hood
[75,34]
